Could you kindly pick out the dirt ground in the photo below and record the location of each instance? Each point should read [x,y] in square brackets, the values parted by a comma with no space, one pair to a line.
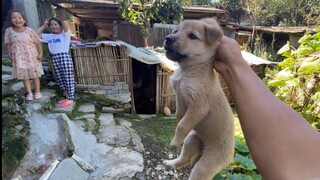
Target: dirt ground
[153,162]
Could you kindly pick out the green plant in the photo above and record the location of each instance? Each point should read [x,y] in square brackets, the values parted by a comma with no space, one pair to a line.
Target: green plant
[297,82]
[6,62]
[242,166]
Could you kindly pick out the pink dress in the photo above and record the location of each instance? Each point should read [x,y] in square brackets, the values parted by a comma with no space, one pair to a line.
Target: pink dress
[24,61]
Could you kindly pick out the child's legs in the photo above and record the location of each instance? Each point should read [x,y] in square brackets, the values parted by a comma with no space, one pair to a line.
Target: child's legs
[36,83]
[27,85]
[69,78]
[58,68]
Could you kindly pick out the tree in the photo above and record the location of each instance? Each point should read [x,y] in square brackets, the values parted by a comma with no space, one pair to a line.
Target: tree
[169,12]
[140,12]
[236,9]
[311,13]
[300,12]
[202,2]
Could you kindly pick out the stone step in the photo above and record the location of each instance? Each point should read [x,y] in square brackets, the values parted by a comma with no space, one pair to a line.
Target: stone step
[72,152]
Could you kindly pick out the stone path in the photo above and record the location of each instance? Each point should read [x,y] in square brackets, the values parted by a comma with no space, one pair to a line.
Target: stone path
[67,148]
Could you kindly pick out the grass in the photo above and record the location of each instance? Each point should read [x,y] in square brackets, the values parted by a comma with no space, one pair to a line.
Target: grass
[159,131]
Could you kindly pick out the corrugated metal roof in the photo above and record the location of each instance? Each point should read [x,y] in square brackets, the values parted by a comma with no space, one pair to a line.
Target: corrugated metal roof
[279,29]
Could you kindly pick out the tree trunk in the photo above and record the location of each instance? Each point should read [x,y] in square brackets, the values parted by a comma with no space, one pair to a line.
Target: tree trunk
[145,42]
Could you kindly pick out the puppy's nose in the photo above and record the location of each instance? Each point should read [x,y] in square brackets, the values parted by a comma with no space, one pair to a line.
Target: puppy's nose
[169,40]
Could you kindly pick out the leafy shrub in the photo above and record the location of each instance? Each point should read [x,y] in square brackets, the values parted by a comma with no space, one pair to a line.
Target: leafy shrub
[6,62]
[297,82]
[242,166]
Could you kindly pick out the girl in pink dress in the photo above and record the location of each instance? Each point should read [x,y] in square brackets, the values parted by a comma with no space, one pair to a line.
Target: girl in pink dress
[25,52]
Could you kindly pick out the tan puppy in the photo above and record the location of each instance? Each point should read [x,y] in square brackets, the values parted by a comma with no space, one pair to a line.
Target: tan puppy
[205,121]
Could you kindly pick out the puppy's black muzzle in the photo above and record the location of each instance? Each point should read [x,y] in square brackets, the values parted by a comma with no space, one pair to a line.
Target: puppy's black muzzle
[169,40]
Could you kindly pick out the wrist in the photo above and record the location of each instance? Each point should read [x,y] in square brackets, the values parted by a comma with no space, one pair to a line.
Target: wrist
[234,74]
[234,69]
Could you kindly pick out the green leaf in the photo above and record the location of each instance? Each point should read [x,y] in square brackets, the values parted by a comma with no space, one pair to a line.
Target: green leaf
[276,82]
[244,162]
[286,54]
[219,176]
[304,39]
[254,175]
[316,36]
[241,146]
[33,170]
[238,177]
[281,77]
[310,67]
[290,61]
[303,50]
[316,96]
[284,48]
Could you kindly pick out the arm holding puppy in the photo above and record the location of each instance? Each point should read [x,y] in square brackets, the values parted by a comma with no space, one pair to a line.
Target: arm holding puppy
[282,143]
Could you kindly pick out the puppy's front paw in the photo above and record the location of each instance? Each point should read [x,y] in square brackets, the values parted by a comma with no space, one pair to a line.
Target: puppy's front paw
[170,163]
[175,163]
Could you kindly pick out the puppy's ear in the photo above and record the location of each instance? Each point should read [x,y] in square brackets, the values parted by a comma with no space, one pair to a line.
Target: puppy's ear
[213,33]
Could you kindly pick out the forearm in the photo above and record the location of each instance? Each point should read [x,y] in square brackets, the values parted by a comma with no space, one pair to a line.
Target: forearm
[9,51]
[40,53]
[281,142]
[65,26]
[41,29]
[39,47]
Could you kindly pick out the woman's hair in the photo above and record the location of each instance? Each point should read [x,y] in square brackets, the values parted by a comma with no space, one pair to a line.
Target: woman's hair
[13,11]
[55,19]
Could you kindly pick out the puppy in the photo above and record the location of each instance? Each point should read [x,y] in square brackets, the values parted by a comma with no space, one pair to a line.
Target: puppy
[205,124]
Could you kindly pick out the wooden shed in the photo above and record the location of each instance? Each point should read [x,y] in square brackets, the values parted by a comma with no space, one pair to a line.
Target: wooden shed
[116,67]
[275,36]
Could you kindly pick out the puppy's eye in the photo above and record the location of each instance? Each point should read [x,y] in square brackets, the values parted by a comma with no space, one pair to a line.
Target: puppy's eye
[192,36]
[175,31]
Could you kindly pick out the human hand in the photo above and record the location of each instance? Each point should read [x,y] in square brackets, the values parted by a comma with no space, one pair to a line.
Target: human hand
[39,57]
[46,22]
[228,54]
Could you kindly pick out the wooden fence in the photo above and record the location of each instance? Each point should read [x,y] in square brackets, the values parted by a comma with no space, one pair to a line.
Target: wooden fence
[130,34]
[158,34]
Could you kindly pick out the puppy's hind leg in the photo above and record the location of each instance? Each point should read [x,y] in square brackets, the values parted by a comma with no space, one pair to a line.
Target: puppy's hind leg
[209,164]
[190,153]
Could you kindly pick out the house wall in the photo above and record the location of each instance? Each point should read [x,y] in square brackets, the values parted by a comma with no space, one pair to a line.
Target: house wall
[30,9]
[128,33]
[294,38]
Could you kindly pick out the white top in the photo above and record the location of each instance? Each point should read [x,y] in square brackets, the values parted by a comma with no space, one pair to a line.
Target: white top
[57,43]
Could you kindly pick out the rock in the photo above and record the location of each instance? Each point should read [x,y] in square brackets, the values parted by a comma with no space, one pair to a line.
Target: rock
[83,164]
[108,110]
[7,91]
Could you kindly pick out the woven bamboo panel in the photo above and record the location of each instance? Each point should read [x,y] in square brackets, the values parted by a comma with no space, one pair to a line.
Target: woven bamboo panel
[101,65]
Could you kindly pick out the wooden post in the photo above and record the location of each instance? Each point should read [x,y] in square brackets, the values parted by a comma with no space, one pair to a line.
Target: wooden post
[133,108]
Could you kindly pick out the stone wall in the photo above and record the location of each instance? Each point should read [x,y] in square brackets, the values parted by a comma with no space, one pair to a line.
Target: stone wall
[112,88]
